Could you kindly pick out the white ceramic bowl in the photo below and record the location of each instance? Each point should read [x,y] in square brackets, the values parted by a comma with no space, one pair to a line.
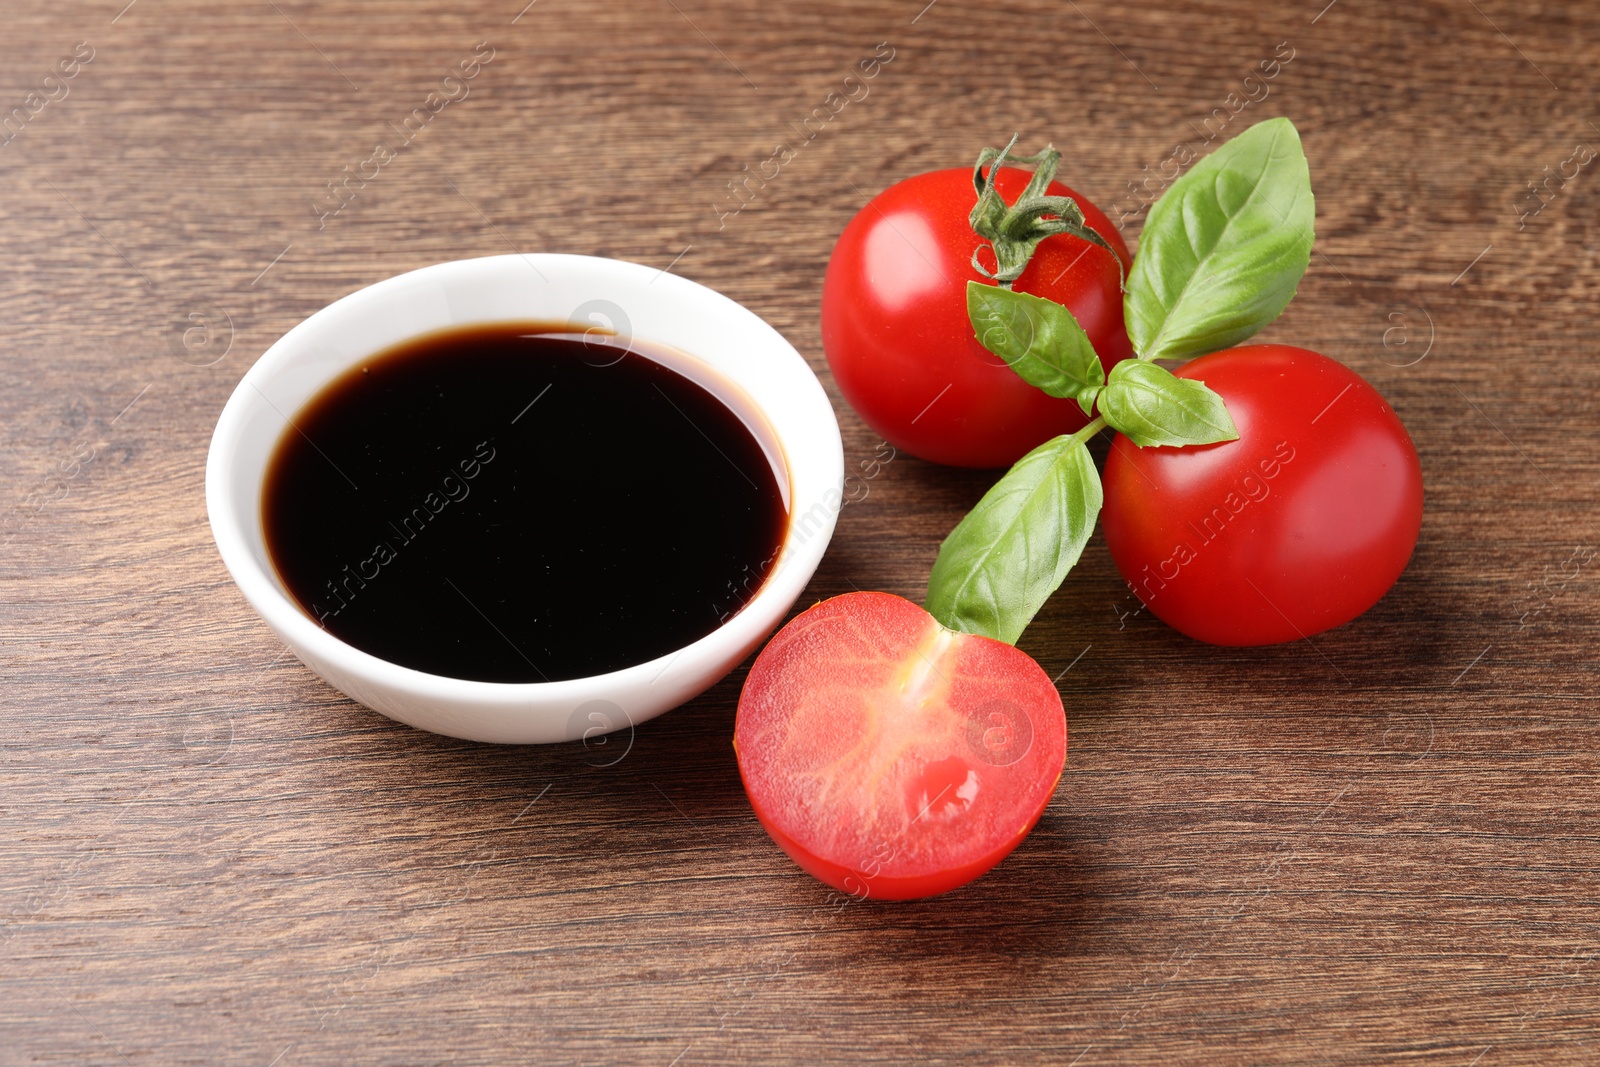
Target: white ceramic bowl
[728,343]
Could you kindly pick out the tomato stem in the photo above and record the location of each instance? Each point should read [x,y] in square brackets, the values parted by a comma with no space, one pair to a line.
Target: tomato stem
[1015,230]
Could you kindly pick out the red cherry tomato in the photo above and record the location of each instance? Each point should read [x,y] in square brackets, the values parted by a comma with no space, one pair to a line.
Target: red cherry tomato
[896,333]
[893,758]
[1298,526]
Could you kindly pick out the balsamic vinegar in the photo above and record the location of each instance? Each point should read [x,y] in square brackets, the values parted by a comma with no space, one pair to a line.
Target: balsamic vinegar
[504,504]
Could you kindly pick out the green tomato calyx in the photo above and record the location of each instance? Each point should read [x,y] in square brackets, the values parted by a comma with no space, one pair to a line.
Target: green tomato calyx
[1015,230]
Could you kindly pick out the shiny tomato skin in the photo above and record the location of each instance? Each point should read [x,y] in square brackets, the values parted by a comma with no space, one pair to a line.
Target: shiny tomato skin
[1298,526]
[896,332]
[892,758]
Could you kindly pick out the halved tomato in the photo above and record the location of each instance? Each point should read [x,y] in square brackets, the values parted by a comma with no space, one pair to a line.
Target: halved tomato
[893,758]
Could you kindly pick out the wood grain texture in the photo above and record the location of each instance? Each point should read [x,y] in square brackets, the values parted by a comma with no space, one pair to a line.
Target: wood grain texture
[1377,848]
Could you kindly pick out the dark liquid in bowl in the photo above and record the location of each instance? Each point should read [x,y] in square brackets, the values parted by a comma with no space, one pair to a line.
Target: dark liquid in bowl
[499,504]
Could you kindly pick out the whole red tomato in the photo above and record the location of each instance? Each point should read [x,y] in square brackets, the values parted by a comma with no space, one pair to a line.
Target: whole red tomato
[1298,526]
[896,333]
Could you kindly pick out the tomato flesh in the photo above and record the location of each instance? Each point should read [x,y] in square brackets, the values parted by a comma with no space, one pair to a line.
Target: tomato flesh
[896,332]
[893,758]
[1299,526]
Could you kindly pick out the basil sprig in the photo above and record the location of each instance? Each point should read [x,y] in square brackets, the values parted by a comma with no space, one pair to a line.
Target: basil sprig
[1221,255]
[1154,407]
[1040,339]
[1224,249]
[1002,562]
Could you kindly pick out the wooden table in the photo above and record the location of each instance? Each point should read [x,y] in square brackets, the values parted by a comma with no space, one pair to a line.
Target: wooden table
[1377,847]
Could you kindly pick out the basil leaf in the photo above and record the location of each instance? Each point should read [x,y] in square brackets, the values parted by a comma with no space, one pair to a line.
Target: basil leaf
[1224,247]
[1039,339]
[1002,562]
[1153,407]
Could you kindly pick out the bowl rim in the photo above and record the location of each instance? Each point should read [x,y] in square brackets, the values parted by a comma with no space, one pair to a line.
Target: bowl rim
[791,570]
